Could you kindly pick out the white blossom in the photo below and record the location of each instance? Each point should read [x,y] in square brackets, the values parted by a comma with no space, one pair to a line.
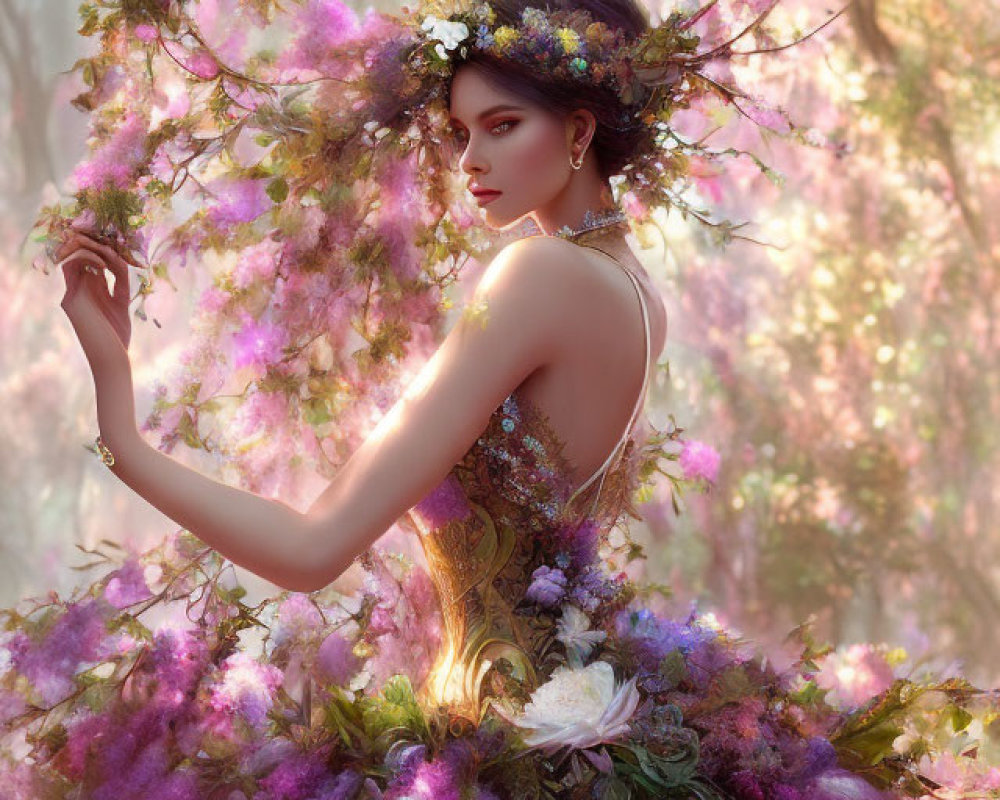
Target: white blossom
[449,34]
[574,631]
[578,707]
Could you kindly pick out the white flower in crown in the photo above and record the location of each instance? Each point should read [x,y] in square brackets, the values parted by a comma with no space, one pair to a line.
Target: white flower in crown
[574,631]
[449,34]
[578,708]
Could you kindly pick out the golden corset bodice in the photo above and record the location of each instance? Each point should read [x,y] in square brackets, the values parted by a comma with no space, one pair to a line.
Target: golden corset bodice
[485,529]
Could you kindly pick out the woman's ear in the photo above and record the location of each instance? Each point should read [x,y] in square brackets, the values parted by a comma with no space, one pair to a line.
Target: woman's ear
[580,127]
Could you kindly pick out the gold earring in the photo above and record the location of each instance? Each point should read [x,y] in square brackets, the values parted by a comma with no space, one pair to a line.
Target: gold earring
[576,166]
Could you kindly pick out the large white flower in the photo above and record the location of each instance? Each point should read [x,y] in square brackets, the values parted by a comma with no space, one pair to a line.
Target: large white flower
[574,631]
[449,34]
[578,707]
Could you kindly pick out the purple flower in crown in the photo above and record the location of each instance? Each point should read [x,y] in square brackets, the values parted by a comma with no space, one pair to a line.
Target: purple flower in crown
[548,586]
[484,38]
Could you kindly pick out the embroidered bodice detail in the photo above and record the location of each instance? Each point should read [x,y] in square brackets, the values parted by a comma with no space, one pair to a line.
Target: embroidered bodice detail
[503,511]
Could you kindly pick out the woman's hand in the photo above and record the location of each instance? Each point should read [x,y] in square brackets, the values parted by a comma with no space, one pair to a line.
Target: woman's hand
[101,319]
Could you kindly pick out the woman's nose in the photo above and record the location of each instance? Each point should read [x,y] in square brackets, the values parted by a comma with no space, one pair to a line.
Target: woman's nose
[471,159]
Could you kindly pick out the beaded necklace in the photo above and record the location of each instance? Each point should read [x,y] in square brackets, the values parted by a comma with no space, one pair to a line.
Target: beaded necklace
[592,222]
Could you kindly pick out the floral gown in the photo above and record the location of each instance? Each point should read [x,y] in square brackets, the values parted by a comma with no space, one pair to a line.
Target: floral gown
[507,512]
[516,666]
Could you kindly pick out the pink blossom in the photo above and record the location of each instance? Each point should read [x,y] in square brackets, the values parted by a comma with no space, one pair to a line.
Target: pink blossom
[146,33]
[258,343]
[11,705]
[257,262]
[218,21]
[699,460]
[203,65]
[261,410]
[854,675]
[321,27]
[213,300]
[247,688]
[114,162]
[633,206]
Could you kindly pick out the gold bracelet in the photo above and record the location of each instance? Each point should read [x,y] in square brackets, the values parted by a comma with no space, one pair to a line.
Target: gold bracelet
[106,456]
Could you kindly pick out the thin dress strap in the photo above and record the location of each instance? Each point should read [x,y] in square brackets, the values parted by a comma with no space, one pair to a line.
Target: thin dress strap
[602,470]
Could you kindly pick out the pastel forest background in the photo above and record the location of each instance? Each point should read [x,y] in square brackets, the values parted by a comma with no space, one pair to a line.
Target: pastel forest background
[843,362]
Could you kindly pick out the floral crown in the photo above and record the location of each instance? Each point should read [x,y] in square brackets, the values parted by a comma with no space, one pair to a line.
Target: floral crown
[567,45]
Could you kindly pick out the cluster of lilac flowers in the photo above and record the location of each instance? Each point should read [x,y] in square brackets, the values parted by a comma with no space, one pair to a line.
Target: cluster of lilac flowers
[579,575]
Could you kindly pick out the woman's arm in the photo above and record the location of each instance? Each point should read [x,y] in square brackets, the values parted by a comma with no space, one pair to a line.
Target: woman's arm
[258,533]
[407,455]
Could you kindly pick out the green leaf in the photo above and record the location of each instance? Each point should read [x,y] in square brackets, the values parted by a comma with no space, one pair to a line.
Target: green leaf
[277,190]
[316,411]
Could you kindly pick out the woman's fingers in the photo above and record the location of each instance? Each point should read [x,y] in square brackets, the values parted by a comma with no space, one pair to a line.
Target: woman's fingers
[96,263]
[114,261]
[74,273]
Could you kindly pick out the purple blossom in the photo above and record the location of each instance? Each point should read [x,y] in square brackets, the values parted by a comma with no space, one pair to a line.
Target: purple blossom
[580,540]
[381,622]
[180,658]
[839,784]
[746,785]
[342,787]
[296,777]
[127,585]
[548,586]
[11,705]
[432,780]
[657,636]
[130,756]
[699,461]
[445,503]
[336,660]
[51,664]
[297,617]
[213,300]
[238,200]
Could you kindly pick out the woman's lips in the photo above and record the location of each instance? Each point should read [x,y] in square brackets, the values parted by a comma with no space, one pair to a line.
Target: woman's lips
[487,197]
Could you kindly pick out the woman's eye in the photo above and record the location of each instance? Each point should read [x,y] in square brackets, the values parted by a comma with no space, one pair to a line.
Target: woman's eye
[460,136]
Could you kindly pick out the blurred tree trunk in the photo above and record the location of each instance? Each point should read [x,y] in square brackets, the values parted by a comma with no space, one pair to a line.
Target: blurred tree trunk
[29,87]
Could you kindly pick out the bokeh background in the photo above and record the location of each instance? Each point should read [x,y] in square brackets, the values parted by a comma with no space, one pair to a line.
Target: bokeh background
[842,358]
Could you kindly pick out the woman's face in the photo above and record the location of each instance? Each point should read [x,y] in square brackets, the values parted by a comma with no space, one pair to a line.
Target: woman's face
[508,145]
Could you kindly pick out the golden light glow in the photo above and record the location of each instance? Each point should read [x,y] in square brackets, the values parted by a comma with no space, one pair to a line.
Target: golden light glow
[452,684]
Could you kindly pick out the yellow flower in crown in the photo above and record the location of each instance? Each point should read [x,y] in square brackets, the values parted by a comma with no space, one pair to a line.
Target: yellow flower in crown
[569,39]
[504,36]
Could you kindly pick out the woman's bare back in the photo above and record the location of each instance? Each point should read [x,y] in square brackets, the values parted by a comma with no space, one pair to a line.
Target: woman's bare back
[589,395]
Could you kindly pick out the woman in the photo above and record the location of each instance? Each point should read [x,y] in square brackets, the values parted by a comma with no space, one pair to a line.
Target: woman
[512,453]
